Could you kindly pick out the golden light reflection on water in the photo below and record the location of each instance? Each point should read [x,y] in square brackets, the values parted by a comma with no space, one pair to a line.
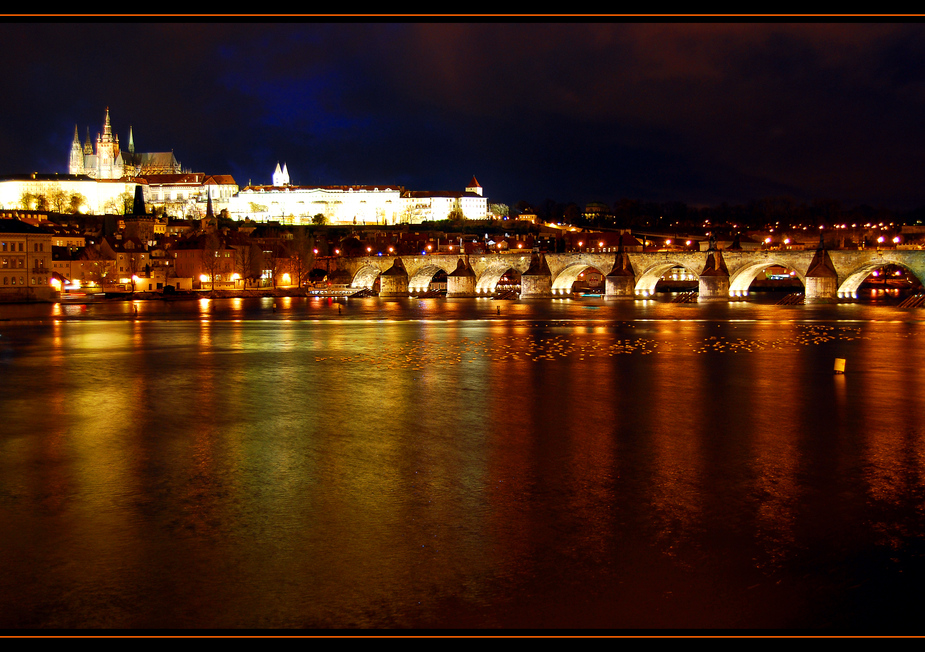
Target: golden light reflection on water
[344,462]
[679,397]
[889,405]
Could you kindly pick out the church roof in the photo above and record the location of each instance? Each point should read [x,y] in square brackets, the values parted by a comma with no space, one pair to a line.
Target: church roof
[157,159]
[473,183]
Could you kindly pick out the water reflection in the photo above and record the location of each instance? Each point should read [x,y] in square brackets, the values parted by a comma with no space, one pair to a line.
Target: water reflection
[423,464]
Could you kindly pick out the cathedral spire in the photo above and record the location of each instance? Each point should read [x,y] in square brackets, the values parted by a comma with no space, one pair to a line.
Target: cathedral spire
[75,164]
[281,176]
[131,142]
[107,128]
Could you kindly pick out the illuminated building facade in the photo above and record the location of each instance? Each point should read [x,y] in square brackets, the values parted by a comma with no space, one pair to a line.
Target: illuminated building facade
[25,262]
[186,195]
[367,204]
[96,197]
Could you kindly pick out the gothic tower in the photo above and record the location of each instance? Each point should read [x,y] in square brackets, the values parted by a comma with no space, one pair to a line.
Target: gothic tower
[281,177]
[107,150]
[76,163]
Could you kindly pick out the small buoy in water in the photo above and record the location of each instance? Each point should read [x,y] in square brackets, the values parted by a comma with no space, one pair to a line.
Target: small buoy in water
[839,365]
[499,310]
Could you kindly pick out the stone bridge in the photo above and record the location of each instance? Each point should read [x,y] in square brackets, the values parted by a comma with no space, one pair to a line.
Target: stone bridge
[826,275]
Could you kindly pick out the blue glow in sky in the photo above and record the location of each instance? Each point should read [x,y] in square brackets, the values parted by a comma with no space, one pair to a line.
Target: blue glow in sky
[701,113]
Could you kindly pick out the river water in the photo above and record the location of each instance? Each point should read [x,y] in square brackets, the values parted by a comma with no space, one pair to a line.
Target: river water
[461,465]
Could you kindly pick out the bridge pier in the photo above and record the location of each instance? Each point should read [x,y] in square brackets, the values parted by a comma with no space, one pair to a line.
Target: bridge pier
[821,290]
[393,282]
[620,283]
[536,282]
[713,288]
[829,271]
[714,280]
[461,282]
[821,278]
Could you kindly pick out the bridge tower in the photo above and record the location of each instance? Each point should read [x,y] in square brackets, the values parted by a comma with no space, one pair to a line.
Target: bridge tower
[461,281]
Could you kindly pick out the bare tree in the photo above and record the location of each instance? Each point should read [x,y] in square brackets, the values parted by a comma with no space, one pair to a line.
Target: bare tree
[211,250]
[302,255]
[75,202]
[248,261]
[99,268]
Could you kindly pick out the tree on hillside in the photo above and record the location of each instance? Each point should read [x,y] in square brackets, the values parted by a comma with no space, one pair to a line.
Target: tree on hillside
[30,201]
[75,202]
[499,211]
[58,200]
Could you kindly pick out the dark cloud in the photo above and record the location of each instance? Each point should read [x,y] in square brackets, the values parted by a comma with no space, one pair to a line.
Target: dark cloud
[701,113]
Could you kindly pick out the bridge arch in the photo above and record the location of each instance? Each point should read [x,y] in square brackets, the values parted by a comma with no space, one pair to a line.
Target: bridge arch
[365,277]
[742,278]
[562,284]
[420,280]
[487,281]
[649,278]
[849,287]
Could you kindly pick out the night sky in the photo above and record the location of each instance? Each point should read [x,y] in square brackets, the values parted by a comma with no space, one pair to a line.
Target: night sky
[696,112]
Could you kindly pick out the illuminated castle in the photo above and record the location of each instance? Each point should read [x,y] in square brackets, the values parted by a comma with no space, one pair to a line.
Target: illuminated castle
[111,162]
[356,204]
